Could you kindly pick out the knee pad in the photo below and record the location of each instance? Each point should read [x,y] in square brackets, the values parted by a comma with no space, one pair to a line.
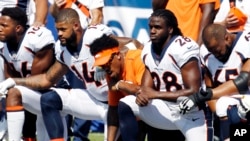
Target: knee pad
[51,100]
[241,82]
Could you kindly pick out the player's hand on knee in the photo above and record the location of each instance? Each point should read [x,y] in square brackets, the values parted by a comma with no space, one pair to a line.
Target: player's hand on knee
[193,100]
[244,107]
[100,74]
[202,96]
[142,100]
[185,104]
[5,85]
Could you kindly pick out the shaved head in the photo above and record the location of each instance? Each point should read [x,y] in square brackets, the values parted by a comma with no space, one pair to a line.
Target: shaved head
[67,15]
[218,41]
[213,32]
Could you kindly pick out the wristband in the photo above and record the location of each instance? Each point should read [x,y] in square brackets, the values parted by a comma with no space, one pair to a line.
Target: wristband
[117,84]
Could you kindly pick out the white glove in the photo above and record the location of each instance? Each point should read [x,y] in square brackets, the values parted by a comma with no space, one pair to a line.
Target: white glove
[100,74]
[244,107]
[186,104]
[5,85]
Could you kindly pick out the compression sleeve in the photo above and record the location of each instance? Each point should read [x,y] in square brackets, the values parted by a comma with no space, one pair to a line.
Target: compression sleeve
[241,82]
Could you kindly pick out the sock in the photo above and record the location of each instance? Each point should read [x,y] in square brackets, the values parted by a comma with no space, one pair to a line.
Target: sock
[128,123]
[15,120]
[29,126]
[51,105]
[224,129]
[210,123]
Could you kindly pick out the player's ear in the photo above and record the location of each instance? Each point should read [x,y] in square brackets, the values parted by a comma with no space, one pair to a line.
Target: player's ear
[118,55]
[228,39]
[76,25]
[19,29]
[170,30]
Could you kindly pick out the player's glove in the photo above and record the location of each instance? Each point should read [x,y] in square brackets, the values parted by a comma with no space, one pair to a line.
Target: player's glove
[185,105]
[99,74]
[202,96]
[188,103]
[244,107]
[5,85]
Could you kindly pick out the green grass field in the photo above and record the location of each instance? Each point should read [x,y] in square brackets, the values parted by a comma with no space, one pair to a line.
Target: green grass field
[96,136]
